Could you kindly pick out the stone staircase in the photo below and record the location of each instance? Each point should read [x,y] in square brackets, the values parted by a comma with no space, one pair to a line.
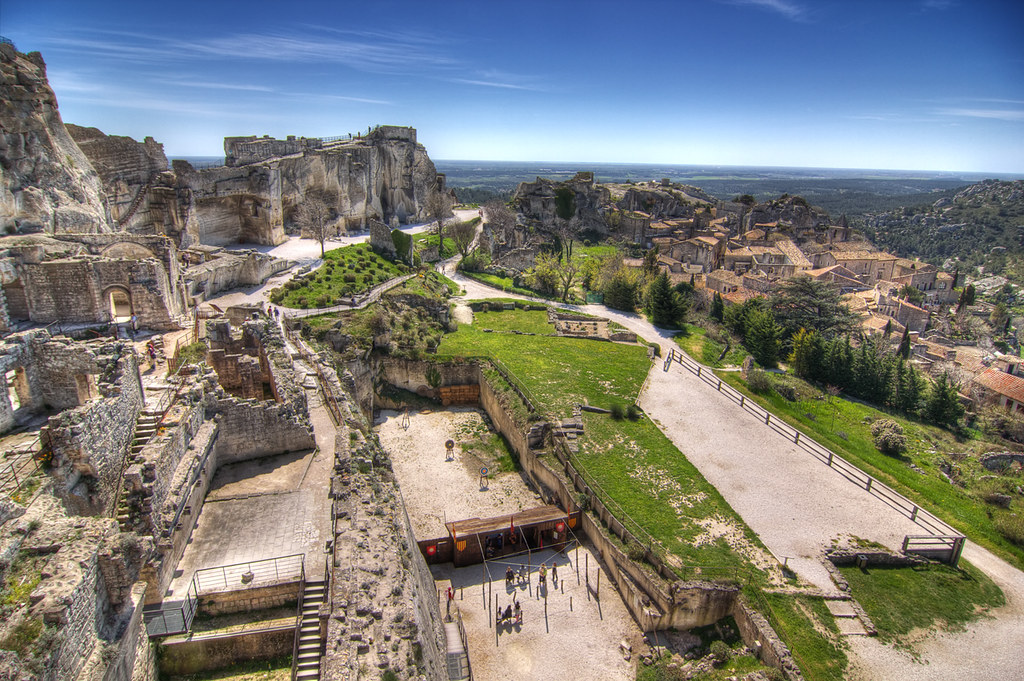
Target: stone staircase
[308,651]
[136,202]
[146,426]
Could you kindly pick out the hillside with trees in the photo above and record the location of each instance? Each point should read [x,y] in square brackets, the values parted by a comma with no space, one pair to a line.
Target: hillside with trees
[981,226]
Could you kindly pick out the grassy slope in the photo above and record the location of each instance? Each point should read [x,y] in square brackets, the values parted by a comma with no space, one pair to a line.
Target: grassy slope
[694,341]
[900,600]
[327,283]
[930,490]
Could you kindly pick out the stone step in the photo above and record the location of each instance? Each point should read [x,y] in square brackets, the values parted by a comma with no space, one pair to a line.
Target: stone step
[306,656]
[314,664]
[308,674]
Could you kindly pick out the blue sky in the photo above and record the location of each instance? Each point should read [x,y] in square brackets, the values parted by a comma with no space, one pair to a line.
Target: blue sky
[903,84]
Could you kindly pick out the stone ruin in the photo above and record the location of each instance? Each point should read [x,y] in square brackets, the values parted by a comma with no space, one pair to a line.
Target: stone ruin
[70,179]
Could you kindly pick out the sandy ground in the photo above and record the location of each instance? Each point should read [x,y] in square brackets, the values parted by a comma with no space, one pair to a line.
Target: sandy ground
[577,639]
[541,648]
[436,490]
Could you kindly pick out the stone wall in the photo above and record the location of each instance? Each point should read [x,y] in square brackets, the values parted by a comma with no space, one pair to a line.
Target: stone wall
[249,599]
[240,151]
[254,430]
[90,442]
[759,636]
[230,270]
[230,205]
[198,653]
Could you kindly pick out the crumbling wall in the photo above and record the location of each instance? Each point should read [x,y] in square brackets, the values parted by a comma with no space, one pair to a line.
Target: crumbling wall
[384,611]
[90,442]
[250,430]
[231,270]
[85,597]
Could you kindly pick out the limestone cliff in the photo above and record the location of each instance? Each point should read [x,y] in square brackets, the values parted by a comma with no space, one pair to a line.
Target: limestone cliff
[536,203]
[664,201]
[136,178]
[787,213]
[46,182]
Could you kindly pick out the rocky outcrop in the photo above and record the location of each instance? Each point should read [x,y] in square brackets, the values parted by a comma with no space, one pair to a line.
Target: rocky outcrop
[137,181]
[786,213]
[536,203]
[46,182]
[660,202]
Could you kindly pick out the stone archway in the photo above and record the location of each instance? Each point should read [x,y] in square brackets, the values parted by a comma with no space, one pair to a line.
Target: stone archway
[119,303]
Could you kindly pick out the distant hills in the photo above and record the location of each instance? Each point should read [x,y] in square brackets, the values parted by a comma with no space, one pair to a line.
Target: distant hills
[851,191]
[980,225]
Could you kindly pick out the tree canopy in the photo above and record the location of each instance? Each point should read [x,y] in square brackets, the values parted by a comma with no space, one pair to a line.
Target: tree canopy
[805,303]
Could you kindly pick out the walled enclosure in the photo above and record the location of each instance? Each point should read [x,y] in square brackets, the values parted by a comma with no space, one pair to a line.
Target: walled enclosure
[656,600]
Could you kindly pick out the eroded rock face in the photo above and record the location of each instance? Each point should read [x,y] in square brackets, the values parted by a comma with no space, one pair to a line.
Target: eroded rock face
[536,203]
[46,182]
[791,212]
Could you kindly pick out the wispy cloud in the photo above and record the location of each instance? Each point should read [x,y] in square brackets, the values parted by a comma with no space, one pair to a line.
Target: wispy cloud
[361,54]
[340,98]
[218,86]
[491,83]
[789,10]
[1011,115]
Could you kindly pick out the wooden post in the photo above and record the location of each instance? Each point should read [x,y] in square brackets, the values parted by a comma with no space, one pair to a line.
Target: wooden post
[868,488]
[496,606]
[767,418]
[570,603]
[719,385]
[698,372]
[797,438]
[598,582]
[913,514]
[743,398]
[577,564]
[830,455]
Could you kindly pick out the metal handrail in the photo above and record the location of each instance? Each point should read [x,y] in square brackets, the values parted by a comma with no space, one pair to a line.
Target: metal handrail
[290,565]
[34,449]
[298,621]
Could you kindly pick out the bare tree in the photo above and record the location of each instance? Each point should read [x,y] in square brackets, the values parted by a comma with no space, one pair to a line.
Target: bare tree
[462,233]
[568,269]
[439,209]
[314,217]
[500,219]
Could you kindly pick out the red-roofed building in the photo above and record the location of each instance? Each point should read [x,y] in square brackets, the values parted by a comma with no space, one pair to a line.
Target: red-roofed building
[1003,388]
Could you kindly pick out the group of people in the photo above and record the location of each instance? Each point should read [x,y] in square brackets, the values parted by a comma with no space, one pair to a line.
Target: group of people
[513,613]
[514,577]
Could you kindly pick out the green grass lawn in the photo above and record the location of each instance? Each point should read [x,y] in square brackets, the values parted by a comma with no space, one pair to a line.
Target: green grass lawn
[426,240]
[902,599]
[695,342]
[527,321]
[429,284]
[345,272]
[810,631]
[829,423]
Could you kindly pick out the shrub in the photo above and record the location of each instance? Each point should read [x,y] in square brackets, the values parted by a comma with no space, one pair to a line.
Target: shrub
[632,412]
[1011,526]
[349,278]
[617,411]
[636,552]
[720,651]
[889,437]
[758,381]
[787,391]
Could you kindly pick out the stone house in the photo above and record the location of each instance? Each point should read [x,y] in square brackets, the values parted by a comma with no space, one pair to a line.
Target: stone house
[1002,388]
[635,225]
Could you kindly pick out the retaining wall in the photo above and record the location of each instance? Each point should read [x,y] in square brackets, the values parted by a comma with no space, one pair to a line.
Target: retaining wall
[200,653]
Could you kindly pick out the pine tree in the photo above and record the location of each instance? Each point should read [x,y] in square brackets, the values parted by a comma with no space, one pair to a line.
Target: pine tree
[806,358]
[904,348]
[762,337]
[717,307]
[943,404]
[665,306]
